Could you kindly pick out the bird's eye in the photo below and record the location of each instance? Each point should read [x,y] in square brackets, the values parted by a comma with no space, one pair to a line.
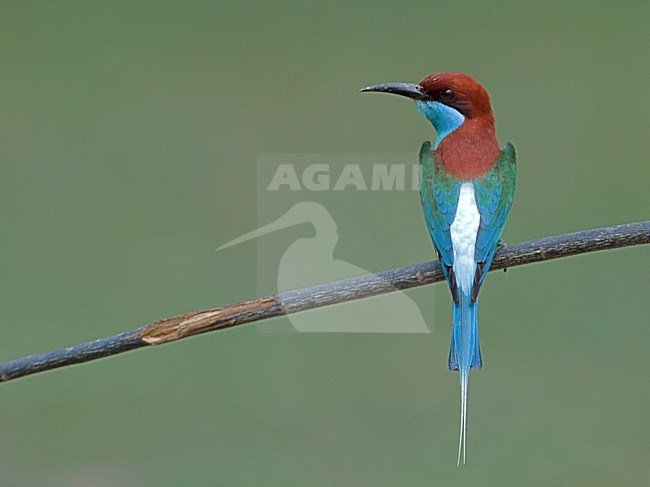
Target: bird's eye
[447,94]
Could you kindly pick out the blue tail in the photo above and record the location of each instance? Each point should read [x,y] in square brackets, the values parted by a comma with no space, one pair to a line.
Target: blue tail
[464,354]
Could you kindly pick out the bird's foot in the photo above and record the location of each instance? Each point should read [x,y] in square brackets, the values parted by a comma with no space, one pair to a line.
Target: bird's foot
[500,245]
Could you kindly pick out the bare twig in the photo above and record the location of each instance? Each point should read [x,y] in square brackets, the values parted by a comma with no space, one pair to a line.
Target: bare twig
[188,324]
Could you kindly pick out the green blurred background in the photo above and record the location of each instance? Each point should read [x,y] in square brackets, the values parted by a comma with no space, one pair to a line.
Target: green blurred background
[129,133]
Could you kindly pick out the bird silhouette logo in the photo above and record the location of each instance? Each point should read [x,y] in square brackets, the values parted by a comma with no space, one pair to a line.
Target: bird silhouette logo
[308,261]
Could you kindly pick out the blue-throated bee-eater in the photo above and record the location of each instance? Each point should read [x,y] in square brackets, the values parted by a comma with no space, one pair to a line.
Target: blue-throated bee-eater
[467,185]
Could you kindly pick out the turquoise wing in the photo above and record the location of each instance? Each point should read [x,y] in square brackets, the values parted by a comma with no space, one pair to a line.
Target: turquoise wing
[439,194]
[494,193]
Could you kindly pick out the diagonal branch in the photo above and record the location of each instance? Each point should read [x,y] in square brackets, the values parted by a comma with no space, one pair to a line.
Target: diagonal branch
[188,324]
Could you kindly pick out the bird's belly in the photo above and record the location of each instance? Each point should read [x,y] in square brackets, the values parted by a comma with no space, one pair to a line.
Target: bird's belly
[464,230]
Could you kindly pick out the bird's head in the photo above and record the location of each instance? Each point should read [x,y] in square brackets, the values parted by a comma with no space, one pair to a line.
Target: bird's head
[448,100]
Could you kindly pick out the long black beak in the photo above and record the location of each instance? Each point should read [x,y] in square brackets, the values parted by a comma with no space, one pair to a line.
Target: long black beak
[409,90]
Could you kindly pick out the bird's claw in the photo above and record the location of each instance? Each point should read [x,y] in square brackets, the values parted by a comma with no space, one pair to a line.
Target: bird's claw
[500,245]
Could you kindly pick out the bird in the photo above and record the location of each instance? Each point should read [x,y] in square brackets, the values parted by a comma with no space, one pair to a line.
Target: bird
[467,185]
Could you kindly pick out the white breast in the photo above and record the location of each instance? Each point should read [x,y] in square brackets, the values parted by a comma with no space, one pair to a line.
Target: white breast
[463,237]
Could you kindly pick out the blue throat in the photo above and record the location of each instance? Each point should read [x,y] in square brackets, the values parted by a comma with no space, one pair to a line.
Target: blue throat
[443,118]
